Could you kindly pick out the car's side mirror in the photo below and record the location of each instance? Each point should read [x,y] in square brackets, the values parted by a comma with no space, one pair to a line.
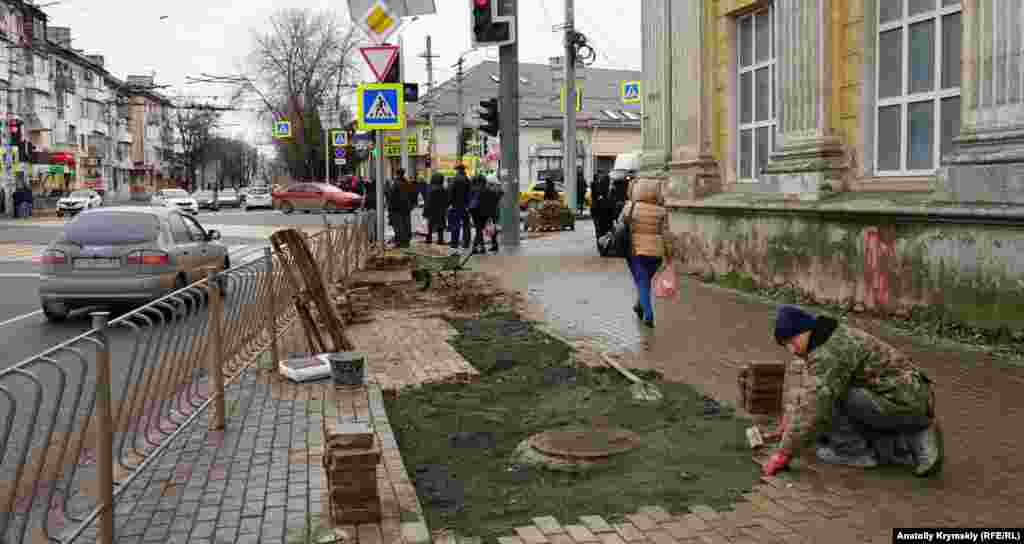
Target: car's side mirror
[213,235]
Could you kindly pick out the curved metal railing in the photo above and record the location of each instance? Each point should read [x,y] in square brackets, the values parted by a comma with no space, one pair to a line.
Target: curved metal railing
[126,388]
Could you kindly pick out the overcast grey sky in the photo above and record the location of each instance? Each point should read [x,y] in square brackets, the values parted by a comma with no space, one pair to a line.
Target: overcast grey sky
[214,36]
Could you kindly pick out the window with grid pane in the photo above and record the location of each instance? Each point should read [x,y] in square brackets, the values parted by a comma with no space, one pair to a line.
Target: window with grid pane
[756,78]
[918,84]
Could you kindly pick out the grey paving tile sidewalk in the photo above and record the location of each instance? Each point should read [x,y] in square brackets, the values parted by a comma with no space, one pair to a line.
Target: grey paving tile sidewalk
[229,486]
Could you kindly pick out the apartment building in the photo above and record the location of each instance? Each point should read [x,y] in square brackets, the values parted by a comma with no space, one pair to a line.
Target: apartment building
[153,147]
[89,135]
[82,127]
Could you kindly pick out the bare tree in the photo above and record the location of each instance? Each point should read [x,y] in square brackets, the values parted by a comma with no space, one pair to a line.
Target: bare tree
[195,127]
[306,63]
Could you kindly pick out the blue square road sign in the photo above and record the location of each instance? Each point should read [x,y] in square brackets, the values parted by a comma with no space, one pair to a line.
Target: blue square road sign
[381,106]
[339,137]
[282,129]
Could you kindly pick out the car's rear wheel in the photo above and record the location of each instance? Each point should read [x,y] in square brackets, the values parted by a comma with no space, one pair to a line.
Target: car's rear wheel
[55,312]
[286,207]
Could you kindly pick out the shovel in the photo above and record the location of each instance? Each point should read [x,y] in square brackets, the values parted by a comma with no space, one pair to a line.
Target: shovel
[641,390]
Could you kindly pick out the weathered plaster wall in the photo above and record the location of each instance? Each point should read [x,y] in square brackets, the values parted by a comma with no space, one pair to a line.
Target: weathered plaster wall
[973,271]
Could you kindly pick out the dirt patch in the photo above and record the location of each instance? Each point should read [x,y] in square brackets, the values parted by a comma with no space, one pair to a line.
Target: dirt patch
[485,491]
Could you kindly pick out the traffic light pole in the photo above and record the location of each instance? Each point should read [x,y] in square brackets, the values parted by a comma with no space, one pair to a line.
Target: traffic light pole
[379,185]
[508,57]
[460,121]
[569,131]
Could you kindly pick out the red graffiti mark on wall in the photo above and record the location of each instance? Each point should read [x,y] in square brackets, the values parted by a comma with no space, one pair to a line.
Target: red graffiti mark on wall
[878,249]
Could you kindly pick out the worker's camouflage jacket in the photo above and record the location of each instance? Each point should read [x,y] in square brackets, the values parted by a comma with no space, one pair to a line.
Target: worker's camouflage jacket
[852,358]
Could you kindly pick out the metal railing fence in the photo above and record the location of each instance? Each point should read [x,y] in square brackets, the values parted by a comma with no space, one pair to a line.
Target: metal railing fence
[80,421]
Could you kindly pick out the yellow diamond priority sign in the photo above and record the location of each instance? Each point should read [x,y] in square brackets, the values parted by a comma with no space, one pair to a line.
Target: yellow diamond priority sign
[379,22]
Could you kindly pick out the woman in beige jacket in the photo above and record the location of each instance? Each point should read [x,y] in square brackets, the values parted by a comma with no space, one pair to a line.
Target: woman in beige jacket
[648,221]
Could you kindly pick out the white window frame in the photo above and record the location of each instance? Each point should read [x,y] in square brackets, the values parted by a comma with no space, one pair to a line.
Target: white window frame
[935,96]
[754,124]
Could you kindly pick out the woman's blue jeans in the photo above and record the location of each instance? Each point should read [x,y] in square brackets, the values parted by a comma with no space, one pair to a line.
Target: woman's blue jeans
[643,268]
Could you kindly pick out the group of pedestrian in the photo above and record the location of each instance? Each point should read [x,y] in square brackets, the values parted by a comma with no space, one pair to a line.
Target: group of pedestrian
[467,209]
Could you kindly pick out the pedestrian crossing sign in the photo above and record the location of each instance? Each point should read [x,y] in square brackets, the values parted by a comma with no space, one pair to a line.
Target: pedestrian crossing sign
[339,137]
[630,92]
[381,106]
[282,129]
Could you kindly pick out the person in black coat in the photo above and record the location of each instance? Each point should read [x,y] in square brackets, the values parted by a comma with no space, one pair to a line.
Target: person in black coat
[550,192]
[602,206]
[490,204]
[479,187]
[436,208]
[458,199]
[370,206]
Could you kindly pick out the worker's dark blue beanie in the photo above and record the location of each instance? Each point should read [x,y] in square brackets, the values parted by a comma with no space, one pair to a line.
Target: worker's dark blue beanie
[792,321]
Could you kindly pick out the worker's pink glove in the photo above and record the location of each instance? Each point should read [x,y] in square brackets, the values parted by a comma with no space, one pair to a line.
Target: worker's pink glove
[778,461]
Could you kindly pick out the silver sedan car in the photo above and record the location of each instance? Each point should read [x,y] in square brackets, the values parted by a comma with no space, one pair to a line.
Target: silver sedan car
[125,256]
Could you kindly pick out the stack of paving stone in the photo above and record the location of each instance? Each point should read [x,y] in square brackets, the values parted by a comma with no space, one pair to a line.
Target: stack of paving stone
[358,305]
[351,460]
[761,387]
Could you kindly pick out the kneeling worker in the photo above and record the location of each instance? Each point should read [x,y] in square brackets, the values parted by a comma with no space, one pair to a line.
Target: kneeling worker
[861,383]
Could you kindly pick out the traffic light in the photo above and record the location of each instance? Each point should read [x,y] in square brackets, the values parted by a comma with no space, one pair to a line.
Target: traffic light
[15,131]
[486,30]
[489,115]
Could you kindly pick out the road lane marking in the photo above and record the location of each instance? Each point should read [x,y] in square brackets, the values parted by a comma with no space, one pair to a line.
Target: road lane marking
[17,275]
[19,318]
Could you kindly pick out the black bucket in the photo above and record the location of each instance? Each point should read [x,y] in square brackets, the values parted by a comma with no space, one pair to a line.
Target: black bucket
[348,368]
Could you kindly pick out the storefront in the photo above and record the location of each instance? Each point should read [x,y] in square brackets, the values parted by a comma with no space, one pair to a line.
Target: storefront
[55,173]
[140,181]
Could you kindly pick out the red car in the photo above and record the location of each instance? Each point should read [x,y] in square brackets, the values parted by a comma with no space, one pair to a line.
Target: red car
[316,196]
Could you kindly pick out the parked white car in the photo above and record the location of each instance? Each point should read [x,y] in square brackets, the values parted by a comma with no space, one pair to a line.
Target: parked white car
[258,197]
[176,199]
[82,199]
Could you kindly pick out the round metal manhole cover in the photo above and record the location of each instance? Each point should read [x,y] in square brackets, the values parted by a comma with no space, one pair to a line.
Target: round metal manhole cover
[585,443]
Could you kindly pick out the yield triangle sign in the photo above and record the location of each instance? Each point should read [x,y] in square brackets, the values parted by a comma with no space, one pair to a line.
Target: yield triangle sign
[380,58]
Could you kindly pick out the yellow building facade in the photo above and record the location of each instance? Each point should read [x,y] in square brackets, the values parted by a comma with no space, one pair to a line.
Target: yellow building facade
[813,97]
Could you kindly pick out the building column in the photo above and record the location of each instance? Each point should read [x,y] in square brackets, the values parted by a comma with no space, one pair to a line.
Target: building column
[807,155]
[677,100]
[656,88]
[693,171]
[986,163]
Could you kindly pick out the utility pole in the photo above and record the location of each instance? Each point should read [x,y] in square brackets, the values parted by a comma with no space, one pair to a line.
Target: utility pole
[508,59]
[327,153]
[569,129]
[430,56]
[461,107]
[404,141]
